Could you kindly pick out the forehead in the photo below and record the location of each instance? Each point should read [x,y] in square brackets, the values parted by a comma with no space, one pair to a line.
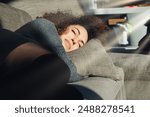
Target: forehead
[78,26]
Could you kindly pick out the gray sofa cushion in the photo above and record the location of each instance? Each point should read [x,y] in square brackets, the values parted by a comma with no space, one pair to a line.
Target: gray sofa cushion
[12,18]
[107,89]
[135,66]
[92,59]
[137,74]
[39,7]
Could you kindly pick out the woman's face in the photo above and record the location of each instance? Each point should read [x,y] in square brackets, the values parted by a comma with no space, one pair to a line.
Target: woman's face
[74,37]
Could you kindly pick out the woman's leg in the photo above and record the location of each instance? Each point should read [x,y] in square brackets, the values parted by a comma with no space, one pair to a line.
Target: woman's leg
[39,74]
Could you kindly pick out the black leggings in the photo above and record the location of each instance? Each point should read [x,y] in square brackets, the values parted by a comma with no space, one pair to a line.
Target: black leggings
[39,77]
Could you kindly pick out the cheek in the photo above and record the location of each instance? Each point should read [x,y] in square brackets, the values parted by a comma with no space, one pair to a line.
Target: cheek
[85,39]
[62,40]
[62,37]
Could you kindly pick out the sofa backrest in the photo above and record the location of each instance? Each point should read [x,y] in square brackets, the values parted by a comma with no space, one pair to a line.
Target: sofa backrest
[39,7]
[12,18]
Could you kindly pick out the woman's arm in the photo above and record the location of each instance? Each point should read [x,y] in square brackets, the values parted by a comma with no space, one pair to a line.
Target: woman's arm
[45,33]
[27,70]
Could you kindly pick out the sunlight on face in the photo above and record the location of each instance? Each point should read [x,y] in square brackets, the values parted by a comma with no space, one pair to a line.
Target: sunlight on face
[74,37]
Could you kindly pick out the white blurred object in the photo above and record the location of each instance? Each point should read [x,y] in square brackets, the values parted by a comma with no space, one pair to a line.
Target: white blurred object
[124,39]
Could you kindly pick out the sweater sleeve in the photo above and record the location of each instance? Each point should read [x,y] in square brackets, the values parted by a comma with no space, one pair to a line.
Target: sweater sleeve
[45,33]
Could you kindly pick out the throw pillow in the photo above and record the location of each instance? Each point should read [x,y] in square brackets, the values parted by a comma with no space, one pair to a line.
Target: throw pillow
[92,60]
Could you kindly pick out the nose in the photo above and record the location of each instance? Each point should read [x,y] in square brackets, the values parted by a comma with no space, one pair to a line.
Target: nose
[75,40]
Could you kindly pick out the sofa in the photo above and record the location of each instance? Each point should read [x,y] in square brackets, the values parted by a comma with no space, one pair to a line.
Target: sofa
[106,75]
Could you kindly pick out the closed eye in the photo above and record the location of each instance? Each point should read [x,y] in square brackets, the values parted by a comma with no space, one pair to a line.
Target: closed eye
[76,31]
[81,43]
[73,31]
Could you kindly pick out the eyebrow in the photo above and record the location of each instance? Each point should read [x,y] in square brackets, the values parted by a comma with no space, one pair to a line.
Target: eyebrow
[77,30]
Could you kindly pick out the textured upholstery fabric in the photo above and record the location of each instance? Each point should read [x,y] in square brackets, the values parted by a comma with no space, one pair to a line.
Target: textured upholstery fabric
[139,65]
[12,18]
[39,7]
[106,88]
[137,89]
[93,60]
[137,74]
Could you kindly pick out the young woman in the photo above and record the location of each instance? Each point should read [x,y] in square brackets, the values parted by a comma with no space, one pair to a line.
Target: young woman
[62,32]
[34,64]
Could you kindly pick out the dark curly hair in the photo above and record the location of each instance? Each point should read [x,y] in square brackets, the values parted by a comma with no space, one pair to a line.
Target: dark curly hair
[94,25]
